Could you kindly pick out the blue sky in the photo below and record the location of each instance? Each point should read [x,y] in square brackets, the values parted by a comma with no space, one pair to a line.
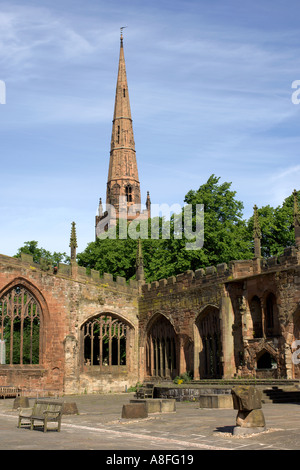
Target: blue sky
[210,92]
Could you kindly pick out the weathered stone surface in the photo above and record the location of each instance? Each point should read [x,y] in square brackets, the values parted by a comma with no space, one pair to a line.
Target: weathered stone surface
[168,406]
[250,419]
[21,402]
[157,405]
[70,409]
[153,405]
[240,431]
[134,411]
[216,401]
[246,397]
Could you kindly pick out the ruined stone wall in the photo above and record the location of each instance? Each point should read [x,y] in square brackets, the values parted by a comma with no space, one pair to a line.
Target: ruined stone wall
[68,297]
[181,300]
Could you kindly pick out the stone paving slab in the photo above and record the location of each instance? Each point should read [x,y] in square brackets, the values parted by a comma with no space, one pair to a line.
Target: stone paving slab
[99,426]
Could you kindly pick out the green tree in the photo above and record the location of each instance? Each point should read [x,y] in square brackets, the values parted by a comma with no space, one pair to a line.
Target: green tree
[49,259]
[226,237]
[276,227]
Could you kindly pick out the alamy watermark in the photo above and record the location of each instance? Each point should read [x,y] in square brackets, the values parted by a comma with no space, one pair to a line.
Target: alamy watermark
[296,354]
[185,223]
[296,93]
[2,92]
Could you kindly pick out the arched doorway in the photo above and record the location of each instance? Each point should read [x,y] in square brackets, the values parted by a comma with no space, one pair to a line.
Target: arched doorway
[161,349]
[210,347]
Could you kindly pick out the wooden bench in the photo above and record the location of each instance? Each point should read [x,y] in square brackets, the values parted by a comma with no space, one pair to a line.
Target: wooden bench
[145,391]
[8,391]
[44,411]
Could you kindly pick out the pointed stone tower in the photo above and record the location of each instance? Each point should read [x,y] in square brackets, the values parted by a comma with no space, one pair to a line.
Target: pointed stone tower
[123,185]
[256,234]
[296,219]
[73,242]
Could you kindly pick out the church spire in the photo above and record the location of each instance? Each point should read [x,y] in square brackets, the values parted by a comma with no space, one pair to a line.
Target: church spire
[123,179]
[123,186]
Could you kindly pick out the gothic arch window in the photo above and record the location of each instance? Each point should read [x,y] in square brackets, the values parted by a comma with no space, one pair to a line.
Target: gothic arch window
[210,352]
[20,316]
[256,316]
[105,341]
[128,193]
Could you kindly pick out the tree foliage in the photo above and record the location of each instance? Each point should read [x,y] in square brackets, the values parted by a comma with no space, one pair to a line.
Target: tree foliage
[227,236]
[49,259]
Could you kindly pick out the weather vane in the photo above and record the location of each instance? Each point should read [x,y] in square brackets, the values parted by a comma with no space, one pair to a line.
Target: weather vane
[121,30]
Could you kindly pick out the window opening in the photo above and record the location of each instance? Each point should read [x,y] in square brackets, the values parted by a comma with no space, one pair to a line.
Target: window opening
[128,193]
[105,342]
[19,327]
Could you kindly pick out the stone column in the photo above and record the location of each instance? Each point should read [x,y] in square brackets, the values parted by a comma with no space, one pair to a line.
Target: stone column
[227,321]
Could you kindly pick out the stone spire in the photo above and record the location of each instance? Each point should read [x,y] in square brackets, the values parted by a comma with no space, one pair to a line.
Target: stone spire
[140,275]
[296,219]
[123,186]
[73,242]
[123,179]
[256,234]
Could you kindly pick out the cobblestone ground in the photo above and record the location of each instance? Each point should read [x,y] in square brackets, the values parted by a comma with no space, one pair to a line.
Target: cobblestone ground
[99,426]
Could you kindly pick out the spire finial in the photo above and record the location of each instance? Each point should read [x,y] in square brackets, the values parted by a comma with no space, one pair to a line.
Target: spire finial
[73,242]
[296,207]
[121,34]
[296,219]
[256,233]
[140,275]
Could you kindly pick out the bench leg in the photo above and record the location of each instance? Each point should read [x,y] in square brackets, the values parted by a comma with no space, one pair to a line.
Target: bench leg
[31,424]
[45,425]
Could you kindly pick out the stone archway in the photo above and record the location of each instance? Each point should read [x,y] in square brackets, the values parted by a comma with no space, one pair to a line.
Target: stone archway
[161,348]
[209,344]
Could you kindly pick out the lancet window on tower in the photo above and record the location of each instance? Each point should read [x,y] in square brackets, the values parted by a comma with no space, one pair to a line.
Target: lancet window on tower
[128,193]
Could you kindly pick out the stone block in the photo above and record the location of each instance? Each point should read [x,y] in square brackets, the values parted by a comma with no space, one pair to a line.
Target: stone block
[246,398]
[70,409]
[240,431]
[134,411]
[153,405]
[157,405]
[216,401]
[20,402]
[250,419]
[168,405]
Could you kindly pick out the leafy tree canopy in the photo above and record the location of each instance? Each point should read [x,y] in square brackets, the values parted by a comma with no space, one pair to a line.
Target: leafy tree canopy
[50,259]
[227,236]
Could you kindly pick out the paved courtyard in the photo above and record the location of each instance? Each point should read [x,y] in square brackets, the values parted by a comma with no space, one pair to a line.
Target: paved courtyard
[99,426]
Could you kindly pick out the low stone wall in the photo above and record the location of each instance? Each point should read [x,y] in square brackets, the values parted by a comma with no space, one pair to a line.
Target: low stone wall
[188,393]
